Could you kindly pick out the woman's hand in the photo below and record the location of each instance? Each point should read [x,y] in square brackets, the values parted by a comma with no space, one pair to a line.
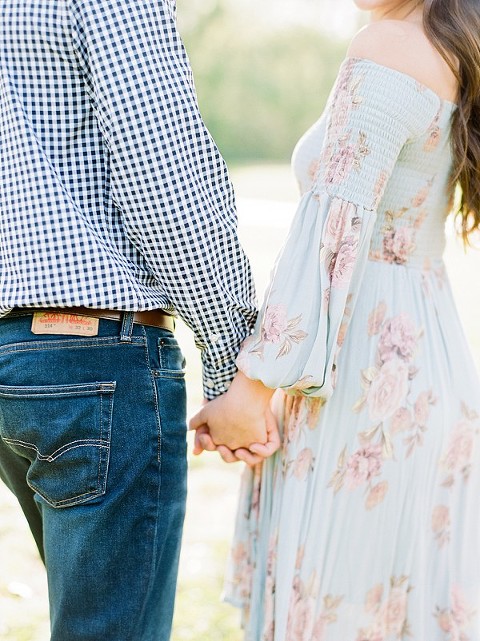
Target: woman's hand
[239,424]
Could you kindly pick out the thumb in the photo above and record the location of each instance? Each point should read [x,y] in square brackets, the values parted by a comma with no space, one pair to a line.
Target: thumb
[273,437]
[199,419]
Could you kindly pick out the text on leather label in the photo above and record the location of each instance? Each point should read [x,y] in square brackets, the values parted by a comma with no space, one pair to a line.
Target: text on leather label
[61,323]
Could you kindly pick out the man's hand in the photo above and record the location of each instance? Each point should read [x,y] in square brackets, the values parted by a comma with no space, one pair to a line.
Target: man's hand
[239,424]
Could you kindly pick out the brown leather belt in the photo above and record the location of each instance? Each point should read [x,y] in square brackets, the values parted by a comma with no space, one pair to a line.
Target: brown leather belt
[152,318]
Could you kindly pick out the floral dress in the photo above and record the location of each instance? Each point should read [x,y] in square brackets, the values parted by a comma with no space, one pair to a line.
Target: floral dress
[365,526]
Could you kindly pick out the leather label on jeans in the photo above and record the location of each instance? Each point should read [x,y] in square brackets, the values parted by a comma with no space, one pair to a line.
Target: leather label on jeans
[61,323]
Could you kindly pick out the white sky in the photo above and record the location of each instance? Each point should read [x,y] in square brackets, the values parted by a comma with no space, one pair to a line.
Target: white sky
[339,17]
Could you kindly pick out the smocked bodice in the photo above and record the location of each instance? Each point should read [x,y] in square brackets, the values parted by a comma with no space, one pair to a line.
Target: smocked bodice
[373,173]
[409,227]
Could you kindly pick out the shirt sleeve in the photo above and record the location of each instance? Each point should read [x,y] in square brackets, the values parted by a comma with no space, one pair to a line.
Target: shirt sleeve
[372,113]
[168,179]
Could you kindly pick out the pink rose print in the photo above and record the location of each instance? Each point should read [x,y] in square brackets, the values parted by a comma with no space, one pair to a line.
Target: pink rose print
[339,216]
[403,244]
[301,618]
[386,394]
[420,219]
[389,618]
[269,624]
[388,239]
[376,319]
[421,409]
[342,108]
[342,332]
[272,553]
[380,186]
[328,615]
[363,465]
[347,157]
[243,570]
[394,611]
[314,406]
[346,98]
[319,629]
[401,421]
[457,456]
[313,169]
[422,194]
[256,490]
[398,244]
[275,323]
[441,524]
[276,328]
[340,164]
[326,297]
[455,620]
[293,421]
[303,464]
[345,262]
[461,611]
[421,413]
[269,616]
[459,452]
[304,622]
[239,553]
[433,138]
[374,598]
[299,557]
[388,389]
[376,495]
[398,339]
[444,620]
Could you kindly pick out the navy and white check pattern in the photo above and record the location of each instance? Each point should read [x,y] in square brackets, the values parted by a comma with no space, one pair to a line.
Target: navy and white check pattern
[113,193]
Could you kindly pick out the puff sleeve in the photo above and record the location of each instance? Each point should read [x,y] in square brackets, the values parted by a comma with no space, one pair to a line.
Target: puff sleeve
[372,114]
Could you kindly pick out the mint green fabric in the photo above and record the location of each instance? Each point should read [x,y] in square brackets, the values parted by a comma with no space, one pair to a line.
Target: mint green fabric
[365,526]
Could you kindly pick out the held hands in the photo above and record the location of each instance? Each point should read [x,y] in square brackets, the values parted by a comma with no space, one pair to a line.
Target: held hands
[239,424]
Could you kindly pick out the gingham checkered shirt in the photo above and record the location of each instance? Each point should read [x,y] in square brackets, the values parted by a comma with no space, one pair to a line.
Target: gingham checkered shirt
[113,193]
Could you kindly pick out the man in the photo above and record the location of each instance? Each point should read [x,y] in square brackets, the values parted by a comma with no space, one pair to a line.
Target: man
[116,210]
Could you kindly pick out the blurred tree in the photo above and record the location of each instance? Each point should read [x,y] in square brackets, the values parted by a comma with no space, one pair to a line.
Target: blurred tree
[259,88]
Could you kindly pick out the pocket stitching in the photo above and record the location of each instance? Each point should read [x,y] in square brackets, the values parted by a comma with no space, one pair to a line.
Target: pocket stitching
[32,391]
[101,341]
[61,450]
[169,373]
[102,445]
[164,372]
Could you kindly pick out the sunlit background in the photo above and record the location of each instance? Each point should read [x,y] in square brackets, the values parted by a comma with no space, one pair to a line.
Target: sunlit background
[263,69]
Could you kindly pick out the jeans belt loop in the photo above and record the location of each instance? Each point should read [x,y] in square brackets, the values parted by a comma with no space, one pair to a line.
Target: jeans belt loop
[127,327]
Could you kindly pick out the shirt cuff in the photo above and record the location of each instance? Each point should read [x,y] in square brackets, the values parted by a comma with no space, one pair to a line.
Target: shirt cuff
[217,381]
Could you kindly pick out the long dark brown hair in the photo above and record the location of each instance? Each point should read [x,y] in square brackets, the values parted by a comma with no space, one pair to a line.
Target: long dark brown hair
[453,27]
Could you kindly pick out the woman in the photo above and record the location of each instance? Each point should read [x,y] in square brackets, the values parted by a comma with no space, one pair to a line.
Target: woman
[366,525]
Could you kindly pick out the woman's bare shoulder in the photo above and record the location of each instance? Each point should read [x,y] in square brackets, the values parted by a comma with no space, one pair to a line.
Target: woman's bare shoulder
[403,46]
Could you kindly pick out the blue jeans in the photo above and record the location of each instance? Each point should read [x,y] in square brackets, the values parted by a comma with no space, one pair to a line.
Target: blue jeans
[93,444]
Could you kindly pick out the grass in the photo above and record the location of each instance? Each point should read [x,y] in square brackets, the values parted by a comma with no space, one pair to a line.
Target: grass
[200,615]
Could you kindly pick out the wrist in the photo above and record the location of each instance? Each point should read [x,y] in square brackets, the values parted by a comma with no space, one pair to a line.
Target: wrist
[257,393]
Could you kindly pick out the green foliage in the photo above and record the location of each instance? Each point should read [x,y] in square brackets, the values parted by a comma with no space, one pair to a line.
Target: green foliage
[259,89]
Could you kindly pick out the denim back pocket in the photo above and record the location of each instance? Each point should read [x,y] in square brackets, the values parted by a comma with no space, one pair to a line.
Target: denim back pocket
[172,361]
[65,432]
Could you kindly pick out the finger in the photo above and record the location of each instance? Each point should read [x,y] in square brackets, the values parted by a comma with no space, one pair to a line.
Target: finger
[199,419]
[206,442]
[247,457]
[227,455]
[197,447]
[273,438]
